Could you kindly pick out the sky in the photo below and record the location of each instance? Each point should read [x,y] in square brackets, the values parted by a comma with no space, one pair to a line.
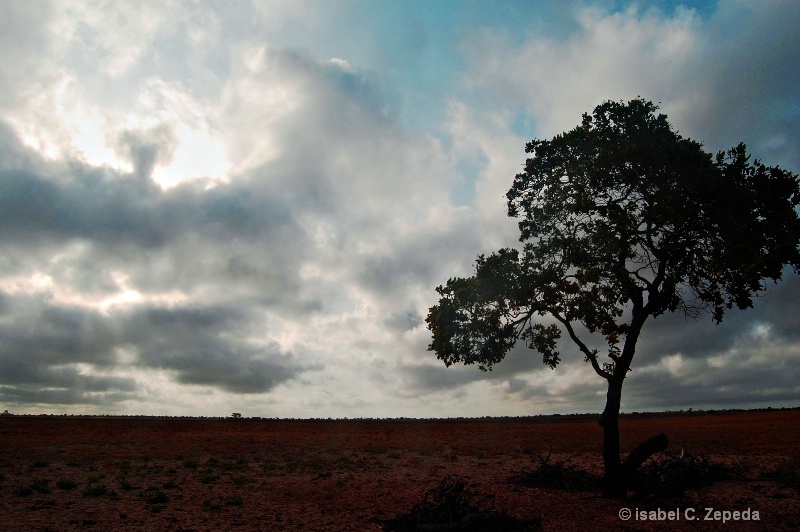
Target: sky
[210,207]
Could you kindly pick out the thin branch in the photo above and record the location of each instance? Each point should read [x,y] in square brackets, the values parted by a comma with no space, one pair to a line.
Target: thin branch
[591,356]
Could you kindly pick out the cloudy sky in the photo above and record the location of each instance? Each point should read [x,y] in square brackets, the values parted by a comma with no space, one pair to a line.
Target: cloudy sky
[215,206]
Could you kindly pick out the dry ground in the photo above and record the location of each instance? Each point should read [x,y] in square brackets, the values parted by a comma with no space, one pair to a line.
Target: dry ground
[95,473]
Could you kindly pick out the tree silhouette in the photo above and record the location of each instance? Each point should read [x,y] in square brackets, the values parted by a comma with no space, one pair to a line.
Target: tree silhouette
[621,219]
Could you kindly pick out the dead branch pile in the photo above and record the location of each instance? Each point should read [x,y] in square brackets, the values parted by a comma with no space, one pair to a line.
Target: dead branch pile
[668,476]
[557,475]
[449,508]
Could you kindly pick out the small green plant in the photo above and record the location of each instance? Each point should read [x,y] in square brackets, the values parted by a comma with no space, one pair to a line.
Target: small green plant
[124,484]
[557,475]
[66,484]
[210,505]
[207,477]
[242,480]
[95,490]
[72,462]
[154,495]
[39,464]
[40,485]
[235,500]
[786,473]
[169,484]
[190,464]
[23,491]
[124,465]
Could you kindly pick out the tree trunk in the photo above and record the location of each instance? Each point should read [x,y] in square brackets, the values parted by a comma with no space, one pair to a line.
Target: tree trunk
[616,474]
[613,483]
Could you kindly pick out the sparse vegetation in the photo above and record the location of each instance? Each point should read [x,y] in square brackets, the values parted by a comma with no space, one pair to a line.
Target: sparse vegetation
[211,505]
[235,500]
[66,484]
[558,475]
[39,464]
[451,506]
[95,490]
[154,495]
[124,484]
[208,476]
[324,461]
[668,476]
[785,472]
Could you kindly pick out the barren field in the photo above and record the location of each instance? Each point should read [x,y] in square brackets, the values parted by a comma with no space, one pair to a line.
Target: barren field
[103,473]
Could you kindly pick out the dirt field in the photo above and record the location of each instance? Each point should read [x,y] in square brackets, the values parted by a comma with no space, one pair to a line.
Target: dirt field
[65,473]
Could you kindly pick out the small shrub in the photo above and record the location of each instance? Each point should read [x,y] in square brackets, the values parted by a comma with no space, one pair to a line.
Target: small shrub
[154,495]
[190,464]
[211,505]
[124,484]
[40,485]
[667,477]
[66,484]
[95,490]
[242,480]
[169,484]
[24,491]
[557,475]
[72,462]
[786,473]
[235,500]
[207,477]
[39,464]
[451,507]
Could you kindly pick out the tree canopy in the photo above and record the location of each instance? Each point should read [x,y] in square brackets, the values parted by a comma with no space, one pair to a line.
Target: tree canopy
[620,219]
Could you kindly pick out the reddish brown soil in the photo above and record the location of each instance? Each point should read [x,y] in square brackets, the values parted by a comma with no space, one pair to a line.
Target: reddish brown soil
[213,474]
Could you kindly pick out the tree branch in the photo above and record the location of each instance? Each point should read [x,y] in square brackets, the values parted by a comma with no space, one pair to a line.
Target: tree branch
[591,356]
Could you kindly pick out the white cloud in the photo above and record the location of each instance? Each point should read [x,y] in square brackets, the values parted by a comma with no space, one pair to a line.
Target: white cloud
[610,56]
[286,262]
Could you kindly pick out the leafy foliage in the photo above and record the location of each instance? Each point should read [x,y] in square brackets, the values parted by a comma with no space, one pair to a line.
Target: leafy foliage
[620,219]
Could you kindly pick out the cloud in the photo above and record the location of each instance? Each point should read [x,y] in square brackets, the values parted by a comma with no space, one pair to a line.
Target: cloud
[249,208]
[722,78]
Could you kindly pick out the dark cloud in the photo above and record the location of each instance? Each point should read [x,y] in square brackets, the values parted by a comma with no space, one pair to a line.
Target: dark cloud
[145,149]
[208,345]
[95,232]
[42,344]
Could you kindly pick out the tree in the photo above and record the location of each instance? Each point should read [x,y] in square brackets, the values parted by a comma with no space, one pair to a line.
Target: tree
[621,220]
